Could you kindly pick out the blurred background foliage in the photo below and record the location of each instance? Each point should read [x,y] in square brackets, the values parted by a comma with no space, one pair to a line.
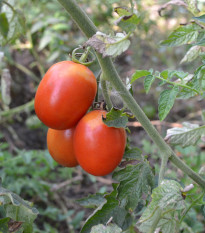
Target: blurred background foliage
[40,33]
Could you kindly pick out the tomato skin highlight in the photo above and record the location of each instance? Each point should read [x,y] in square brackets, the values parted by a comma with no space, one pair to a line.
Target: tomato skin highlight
[60,146]
[98,148]
[65,94]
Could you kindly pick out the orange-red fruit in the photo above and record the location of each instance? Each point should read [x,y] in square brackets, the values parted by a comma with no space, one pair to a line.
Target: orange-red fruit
[98,148]
[60,146]
[64,94]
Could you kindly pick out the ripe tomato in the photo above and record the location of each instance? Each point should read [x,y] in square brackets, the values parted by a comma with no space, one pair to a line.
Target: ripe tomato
[64,94]
[98,148]
[60,146]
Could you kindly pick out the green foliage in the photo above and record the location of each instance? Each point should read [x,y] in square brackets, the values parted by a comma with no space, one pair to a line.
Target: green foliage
[4,225]
[12,23]
[200,18]
[109,45]
[166,201]
[127,21]
[107,210]
[111,228]
[134,181]
[186,136]
[4,27]
[139,74]
[132,153]
[17,173]
[50,36]
[192,54]
[116,118]
[17,209]
[182,35]
[92,201]
[181,85]
[166,101]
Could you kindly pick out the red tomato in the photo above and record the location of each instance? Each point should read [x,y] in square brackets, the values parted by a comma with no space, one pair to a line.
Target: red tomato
[60,146]
[64,94]
[98,148]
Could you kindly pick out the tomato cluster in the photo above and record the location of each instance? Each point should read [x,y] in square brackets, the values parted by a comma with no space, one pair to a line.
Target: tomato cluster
[63,97]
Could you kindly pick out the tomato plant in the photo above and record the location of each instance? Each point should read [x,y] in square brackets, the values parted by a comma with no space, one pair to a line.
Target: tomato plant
[99,148]
[64,94]
[60,146]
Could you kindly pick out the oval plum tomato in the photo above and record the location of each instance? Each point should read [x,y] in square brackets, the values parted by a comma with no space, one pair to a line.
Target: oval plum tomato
[98,148]
[60,146]
[64,94]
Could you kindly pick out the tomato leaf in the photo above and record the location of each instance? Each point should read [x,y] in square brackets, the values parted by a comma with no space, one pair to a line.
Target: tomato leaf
[200,18]
[192,6]
[127,21]
[135,180]
[167,196]
[92,201]
[172,2]
[4,228]
[182,35]
[109,45]
[139,74]
[191,54]
[133,153]
[4,25]
[149,79]
[116,118]
[196,81]
[111,228]
[189,134]
[18,209]
[166,101]
[107,210]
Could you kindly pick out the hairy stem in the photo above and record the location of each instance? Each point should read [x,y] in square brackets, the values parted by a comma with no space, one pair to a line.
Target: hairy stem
[178,84]
[10,6]
[36,56]
[105,92]
[29,105]
[191,205]
[163,167]
[26,71]
[108,69]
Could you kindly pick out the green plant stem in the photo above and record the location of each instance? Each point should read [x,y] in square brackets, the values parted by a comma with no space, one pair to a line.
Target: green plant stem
[84,56]
[35,54]
[177,84]
[98,81]
[29,105]
[105,92]
[26,71]
[108,69]
[191,205]
[163,166]
[9,5]
[157,214]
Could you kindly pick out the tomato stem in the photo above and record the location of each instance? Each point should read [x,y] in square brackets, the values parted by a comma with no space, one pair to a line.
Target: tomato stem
[84,56]
[105,92]
[98,81]
[108,69]
[29,105]
[36,56]
[164,160]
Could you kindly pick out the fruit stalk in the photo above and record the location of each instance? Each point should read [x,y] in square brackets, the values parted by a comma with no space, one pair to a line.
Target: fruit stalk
[108,69]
